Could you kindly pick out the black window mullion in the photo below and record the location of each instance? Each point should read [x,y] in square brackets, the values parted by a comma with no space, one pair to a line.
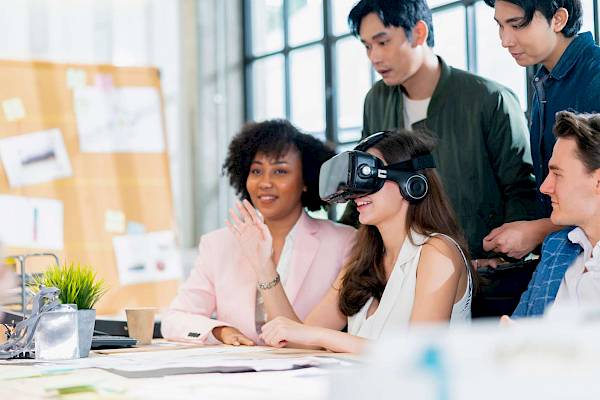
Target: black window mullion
[248,81]
[331,131]
[286,55]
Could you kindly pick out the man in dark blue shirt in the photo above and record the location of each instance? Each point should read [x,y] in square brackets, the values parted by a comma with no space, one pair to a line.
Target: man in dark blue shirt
[545,32]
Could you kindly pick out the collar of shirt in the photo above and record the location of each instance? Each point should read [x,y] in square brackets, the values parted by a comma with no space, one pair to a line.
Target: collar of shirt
[569,58]
[591,254]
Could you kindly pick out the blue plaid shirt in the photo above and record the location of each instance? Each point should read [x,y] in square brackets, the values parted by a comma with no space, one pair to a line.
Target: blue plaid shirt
[558,253]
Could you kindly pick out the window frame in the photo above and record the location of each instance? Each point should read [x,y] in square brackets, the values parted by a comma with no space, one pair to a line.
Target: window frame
[328,43]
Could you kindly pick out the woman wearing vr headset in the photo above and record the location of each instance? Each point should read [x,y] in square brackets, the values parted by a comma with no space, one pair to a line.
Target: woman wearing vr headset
[275,168]
[409,264]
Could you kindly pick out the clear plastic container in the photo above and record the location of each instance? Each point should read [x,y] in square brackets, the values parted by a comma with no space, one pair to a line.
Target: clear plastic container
[56,336]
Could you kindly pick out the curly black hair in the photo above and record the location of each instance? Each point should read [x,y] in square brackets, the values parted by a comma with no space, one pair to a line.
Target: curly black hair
[274,138]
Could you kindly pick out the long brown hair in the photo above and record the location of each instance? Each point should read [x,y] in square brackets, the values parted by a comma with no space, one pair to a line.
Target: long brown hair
[365,274]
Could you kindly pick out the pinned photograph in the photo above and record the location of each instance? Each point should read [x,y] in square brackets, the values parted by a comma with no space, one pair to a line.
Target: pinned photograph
[35,158]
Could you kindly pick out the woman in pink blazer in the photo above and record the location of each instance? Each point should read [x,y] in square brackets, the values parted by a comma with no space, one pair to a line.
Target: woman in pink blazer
[275,168]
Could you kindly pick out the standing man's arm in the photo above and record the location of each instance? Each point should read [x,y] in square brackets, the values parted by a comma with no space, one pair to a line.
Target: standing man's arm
[509,150]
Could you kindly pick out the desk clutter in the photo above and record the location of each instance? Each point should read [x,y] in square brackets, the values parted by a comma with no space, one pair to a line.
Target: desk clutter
[284,373]
[429,363]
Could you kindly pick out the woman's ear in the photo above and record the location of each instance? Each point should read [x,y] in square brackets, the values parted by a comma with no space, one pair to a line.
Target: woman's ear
[559,20]
[420,33]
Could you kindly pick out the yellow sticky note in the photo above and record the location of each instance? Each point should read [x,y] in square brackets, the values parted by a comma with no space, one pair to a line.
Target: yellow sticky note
[114,221]
[14,109]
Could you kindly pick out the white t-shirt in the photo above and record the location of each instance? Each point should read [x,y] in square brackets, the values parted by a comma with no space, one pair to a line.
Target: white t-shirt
[414,110]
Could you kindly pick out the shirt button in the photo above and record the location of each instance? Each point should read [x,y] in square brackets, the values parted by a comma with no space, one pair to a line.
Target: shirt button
[536,79]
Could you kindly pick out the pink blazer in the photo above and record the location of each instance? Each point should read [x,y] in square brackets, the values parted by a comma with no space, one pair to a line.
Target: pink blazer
[224,284]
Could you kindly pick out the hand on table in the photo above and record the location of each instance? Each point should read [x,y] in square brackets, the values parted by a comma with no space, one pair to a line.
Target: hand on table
[230,335]
[279,331]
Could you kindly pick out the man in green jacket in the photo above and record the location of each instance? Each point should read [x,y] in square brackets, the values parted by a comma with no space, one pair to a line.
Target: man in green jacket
[483,154]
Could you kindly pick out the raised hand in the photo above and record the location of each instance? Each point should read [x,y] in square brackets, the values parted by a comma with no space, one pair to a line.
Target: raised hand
[254,238]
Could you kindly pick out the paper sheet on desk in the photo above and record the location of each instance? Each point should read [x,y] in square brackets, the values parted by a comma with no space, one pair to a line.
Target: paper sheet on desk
[196,361]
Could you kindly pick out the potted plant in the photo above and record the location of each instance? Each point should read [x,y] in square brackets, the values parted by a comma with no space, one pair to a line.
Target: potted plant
[78,285]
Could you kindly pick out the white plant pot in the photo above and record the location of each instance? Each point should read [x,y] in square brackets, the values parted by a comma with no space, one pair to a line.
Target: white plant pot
[86,320]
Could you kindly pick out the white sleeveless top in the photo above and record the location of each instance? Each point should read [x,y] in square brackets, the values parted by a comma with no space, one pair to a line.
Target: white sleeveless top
[396,303]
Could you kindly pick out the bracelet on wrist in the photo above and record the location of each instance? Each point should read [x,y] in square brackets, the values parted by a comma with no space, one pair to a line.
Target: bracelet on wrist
[270,284]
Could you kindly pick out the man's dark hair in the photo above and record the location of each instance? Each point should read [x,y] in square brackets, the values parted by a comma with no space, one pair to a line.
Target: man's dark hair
[585,130]
[274,138]
[548,8]
[399,13]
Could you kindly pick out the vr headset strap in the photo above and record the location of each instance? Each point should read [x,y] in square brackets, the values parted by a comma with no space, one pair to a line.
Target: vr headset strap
[413,165]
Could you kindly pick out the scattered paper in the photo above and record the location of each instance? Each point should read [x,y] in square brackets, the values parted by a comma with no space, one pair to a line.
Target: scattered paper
[76,78]
[35,158]
[121,120]
[14,109]
[147,257]
[31,222]
[114,221]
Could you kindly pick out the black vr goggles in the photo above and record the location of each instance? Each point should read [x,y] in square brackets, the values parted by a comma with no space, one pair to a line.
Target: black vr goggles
[356,173]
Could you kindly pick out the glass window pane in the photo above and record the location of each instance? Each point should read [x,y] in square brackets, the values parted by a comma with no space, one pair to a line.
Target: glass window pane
[588,16]
[268,89]
[494,61]
[341,9]
[450,36]
[353,82]
[305,21]
[267,25]
[437,3]
[307,89]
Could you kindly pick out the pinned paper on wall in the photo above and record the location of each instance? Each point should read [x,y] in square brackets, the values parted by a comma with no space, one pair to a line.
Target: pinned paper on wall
[31,222]
[76,78]
[114,221]
[35,158]
[14,109]
[119,120]
[149,257]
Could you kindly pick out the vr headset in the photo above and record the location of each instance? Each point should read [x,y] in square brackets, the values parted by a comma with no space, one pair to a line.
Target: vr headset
[353,174]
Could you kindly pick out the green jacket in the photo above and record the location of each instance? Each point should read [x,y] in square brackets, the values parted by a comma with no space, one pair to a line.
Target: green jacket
[482,155]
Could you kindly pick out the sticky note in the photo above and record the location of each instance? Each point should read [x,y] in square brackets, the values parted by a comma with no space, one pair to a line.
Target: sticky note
[76,78]
[135,228]
[104,81]
[114,221]
[14,109]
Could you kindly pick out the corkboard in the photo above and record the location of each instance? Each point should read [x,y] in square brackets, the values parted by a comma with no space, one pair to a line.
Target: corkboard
[137,184]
